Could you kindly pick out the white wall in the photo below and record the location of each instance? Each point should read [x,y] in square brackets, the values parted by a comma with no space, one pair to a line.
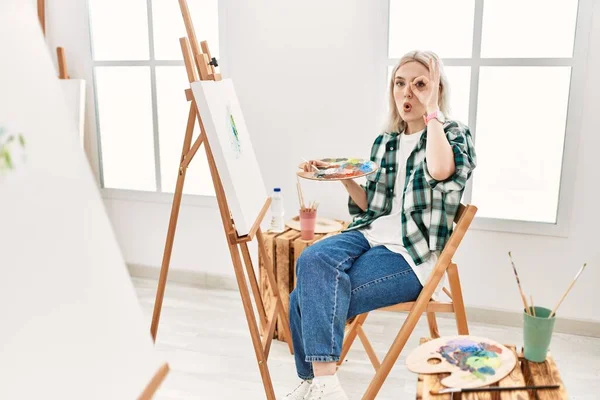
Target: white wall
[310,76]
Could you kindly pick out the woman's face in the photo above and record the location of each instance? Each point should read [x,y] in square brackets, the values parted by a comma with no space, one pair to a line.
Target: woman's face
[409,107]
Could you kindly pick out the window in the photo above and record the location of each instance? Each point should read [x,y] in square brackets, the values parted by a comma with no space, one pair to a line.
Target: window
[516,80]
[140,80]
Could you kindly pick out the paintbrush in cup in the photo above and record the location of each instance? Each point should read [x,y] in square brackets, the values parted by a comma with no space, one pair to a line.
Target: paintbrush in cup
[300,196]
[568,290]
[519,284]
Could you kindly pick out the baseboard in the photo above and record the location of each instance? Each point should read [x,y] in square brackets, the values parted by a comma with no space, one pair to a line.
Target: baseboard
[507,318]
[194,278]
[474,314]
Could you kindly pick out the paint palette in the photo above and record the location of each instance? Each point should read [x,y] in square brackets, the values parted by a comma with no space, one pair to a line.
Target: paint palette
[472,361]
[340,168]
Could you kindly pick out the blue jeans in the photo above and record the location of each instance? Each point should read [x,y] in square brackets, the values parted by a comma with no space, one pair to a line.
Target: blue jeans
[338,278]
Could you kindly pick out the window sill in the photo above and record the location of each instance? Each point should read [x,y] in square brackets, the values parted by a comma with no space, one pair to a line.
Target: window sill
[203,201]
[478,224]
[521,227]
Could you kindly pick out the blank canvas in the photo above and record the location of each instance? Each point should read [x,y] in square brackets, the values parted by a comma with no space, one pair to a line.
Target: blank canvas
[232,149]
[70,323]
[74,91]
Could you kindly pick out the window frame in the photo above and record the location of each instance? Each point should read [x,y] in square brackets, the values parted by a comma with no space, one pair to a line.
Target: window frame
[578,64]
[158,195]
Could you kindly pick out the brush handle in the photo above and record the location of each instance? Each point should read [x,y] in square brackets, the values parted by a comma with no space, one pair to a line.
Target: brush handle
[493,389]
[567,291]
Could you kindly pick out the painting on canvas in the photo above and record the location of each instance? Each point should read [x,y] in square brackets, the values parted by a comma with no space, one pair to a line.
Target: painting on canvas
[232,149]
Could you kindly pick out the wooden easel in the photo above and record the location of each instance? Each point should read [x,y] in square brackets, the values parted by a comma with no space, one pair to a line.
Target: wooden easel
[60,52]
[62,63]
[199,63]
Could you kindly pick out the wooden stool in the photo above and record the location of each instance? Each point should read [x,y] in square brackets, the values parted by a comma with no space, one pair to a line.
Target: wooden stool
[525,373]
[284,250]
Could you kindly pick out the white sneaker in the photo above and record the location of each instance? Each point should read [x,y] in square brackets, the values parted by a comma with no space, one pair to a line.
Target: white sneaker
[300,392]
[326,388]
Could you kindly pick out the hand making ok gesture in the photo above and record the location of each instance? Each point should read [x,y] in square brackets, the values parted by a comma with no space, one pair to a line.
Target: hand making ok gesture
[427,89]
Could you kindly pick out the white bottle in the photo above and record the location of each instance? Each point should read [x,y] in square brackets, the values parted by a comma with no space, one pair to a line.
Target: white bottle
[277,212]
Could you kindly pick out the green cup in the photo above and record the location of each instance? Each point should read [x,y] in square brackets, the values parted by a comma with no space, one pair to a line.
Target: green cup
[537,332]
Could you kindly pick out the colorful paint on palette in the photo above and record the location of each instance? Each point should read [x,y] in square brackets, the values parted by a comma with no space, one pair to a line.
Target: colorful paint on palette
[480,359]
[345,168]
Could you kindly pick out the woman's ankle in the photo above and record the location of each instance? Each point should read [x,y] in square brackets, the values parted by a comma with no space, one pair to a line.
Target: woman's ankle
[324,368]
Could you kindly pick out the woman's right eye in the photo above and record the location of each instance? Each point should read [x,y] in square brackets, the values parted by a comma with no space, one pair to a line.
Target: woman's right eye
[399,83]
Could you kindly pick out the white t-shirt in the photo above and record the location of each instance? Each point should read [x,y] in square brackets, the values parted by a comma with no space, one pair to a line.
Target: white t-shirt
[387,230]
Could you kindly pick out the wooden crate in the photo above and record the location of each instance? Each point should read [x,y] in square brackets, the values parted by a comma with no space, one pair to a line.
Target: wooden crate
[525,373]
[284,250]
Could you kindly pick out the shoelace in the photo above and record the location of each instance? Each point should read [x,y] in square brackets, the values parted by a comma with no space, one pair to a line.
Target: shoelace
[315,392]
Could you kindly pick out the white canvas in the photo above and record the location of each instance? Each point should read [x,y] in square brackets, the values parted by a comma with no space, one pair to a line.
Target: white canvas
[70,323]
[74,90]
[234,156]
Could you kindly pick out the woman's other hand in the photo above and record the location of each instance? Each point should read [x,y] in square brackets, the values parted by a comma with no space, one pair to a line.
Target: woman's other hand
[312,164]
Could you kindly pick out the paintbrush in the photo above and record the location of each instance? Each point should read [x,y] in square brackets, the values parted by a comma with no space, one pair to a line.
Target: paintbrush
[314,166]
[532,306]
[519,284]
[492,389]
[567,292]
[300,196]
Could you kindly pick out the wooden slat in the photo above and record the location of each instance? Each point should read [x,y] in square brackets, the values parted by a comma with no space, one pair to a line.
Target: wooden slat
[515,378]
[265,288]
[459,306]
[556,379]
[350,335]
[261,216]
[419,388]
[544,373]
[189,156]
[189,96]
[268,338]
[285,324]
[433,326]
[62,63]
[368,348]
[433,306]
[283,246]
[262,314]
[41,10]
[188,60]
[431,382]
[155,382]
[189,28]
[206,50]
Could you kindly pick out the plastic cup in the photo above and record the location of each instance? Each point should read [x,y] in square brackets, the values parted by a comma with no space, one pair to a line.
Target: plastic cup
[307,223]
[537,333]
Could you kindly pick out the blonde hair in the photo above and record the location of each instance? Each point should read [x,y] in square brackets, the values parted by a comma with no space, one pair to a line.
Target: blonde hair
[394,122]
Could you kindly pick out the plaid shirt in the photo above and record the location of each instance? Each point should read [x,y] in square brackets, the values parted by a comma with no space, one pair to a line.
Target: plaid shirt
[425,199]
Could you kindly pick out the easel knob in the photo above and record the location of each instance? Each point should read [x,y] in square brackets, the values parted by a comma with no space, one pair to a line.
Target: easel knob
[214,62]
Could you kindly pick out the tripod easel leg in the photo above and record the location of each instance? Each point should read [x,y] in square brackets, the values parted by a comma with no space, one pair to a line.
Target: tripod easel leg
[166,261]
[251,319]
[254,285]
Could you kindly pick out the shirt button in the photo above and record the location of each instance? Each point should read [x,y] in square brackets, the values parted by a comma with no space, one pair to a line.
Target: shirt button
[391,148]
[391,168]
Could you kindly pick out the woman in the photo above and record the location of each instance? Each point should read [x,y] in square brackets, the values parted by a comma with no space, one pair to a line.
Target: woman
[403,218]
